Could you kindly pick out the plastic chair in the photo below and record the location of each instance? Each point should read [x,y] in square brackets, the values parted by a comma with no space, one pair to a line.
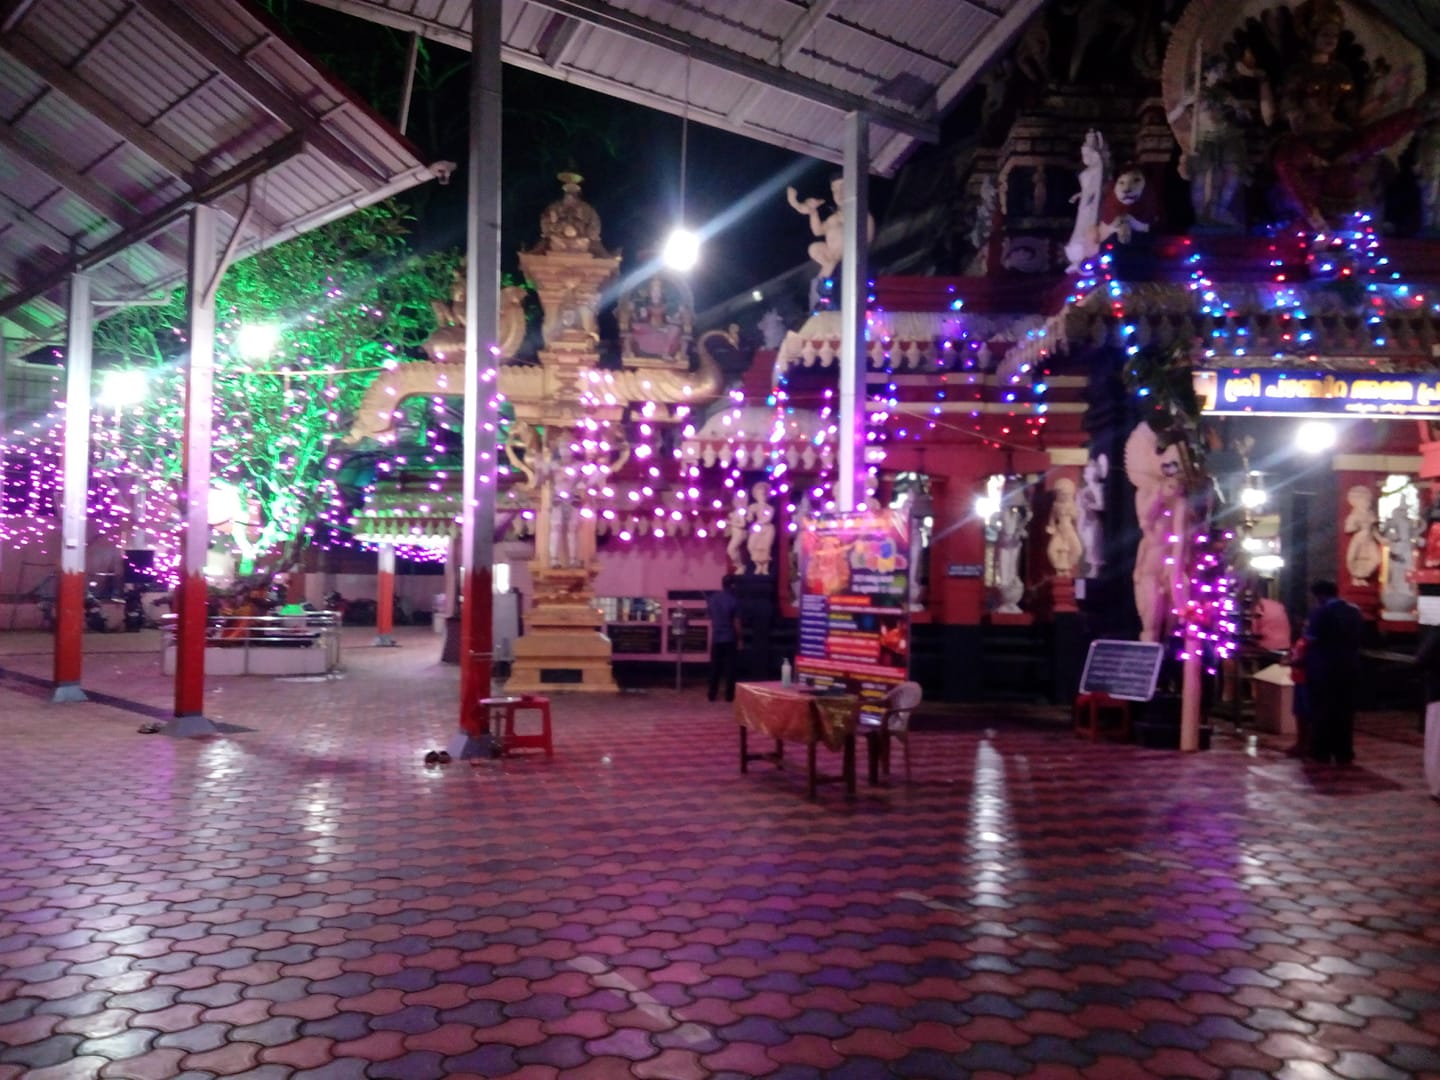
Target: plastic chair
[541,740]
[1091,712]
[899,704]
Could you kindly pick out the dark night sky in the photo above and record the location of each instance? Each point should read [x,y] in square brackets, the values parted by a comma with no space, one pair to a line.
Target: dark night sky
[628,154]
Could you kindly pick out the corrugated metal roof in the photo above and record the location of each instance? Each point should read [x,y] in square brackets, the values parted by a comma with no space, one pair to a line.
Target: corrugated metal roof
[780,71]
[117,115]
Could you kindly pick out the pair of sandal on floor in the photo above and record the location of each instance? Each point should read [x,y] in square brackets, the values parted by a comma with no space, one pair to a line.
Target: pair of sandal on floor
[437,757]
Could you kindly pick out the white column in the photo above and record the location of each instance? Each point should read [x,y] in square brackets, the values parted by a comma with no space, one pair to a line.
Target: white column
[74,496]
[195,481]
[854,292]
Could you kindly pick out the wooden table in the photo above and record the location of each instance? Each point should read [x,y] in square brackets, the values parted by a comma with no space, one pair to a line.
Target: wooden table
[793,714]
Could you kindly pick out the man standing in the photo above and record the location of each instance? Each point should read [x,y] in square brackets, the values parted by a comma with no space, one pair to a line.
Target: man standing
[1332,665]
[724,636]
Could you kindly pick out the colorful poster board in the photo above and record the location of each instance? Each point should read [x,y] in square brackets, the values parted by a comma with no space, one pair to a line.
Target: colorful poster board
[854,603]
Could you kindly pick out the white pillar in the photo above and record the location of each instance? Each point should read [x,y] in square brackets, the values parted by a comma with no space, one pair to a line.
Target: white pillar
[74,496]
[195,481]
[854,293]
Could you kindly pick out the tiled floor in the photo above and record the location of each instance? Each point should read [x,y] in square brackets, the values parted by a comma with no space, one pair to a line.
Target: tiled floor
[307,899]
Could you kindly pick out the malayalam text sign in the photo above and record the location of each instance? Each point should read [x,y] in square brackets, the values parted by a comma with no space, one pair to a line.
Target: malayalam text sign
[1319,393]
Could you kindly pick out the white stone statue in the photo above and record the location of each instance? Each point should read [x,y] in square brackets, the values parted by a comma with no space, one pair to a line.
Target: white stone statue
[1085,239]
[1159,492]
[829,249]
[1398,599]
[1065,548]
[1009,585]
[737,528]
[1091,503]
[565,487]
[1362,555]
[762,528]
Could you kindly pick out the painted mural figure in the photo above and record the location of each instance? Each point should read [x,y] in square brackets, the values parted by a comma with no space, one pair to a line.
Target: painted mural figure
[1325,162]
[1085,239]
[1065,548]
[1362,554]
[1218,162]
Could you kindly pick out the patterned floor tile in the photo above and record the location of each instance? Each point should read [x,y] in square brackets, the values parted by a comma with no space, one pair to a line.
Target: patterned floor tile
[305,899]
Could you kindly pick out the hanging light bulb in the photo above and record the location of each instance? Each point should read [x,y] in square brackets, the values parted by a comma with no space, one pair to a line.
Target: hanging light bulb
[682,247]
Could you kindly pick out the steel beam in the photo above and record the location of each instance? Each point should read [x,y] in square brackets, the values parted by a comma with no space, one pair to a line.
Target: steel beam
[482,325]
[854,294]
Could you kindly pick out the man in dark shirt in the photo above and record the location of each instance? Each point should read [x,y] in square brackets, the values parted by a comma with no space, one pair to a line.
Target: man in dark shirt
[724,636]
[1333,636]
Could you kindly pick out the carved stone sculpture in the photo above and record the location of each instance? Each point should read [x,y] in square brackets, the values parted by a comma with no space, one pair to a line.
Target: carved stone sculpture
[1009,585]
[762,528]
[1065,548]
[1218,161]
[1362,554]
[1085,239]
[1159,491]
[1091,505]
[737,530]
[1398,598]
[829,249]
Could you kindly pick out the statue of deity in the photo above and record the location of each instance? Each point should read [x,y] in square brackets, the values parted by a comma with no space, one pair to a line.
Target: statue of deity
[1091,503]
[565,493]
[1326,162]
[1129,207]
[829,249]
[1085,239]
[1065,548]
[570,224]
[1159,493]
[1398,598]
[762,528]
[738,530]
[1218,161]
[1009,585]
[1362,554]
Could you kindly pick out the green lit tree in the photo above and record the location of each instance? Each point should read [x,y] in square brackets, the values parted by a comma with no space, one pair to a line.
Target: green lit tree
[339,304]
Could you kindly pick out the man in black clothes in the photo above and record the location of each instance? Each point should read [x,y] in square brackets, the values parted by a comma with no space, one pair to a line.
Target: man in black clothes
[1333,635]
[724,611]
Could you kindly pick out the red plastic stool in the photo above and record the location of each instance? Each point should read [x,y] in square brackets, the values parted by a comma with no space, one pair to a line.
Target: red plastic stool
[1091,711]
[513,740]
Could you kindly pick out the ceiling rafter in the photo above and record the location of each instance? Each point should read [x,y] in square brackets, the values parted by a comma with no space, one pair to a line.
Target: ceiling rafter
[726,59]
[265,93]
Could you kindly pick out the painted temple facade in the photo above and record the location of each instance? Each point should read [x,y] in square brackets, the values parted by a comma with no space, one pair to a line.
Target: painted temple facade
[1239,199]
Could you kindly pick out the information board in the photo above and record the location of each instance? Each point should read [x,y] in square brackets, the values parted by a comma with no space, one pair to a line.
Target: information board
[634,638]
[854,603]
[1122,669]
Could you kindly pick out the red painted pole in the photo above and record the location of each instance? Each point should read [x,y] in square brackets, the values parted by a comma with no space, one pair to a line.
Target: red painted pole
[385,595]
[190,609]
[69,628]
[477,634]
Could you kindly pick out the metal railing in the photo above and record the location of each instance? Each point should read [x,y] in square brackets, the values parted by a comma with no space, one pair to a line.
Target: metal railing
[264,644]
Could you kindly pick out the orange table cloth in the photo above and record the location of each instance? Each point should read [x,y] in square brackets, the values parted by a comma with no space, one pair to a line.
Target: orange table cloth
[792,714]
